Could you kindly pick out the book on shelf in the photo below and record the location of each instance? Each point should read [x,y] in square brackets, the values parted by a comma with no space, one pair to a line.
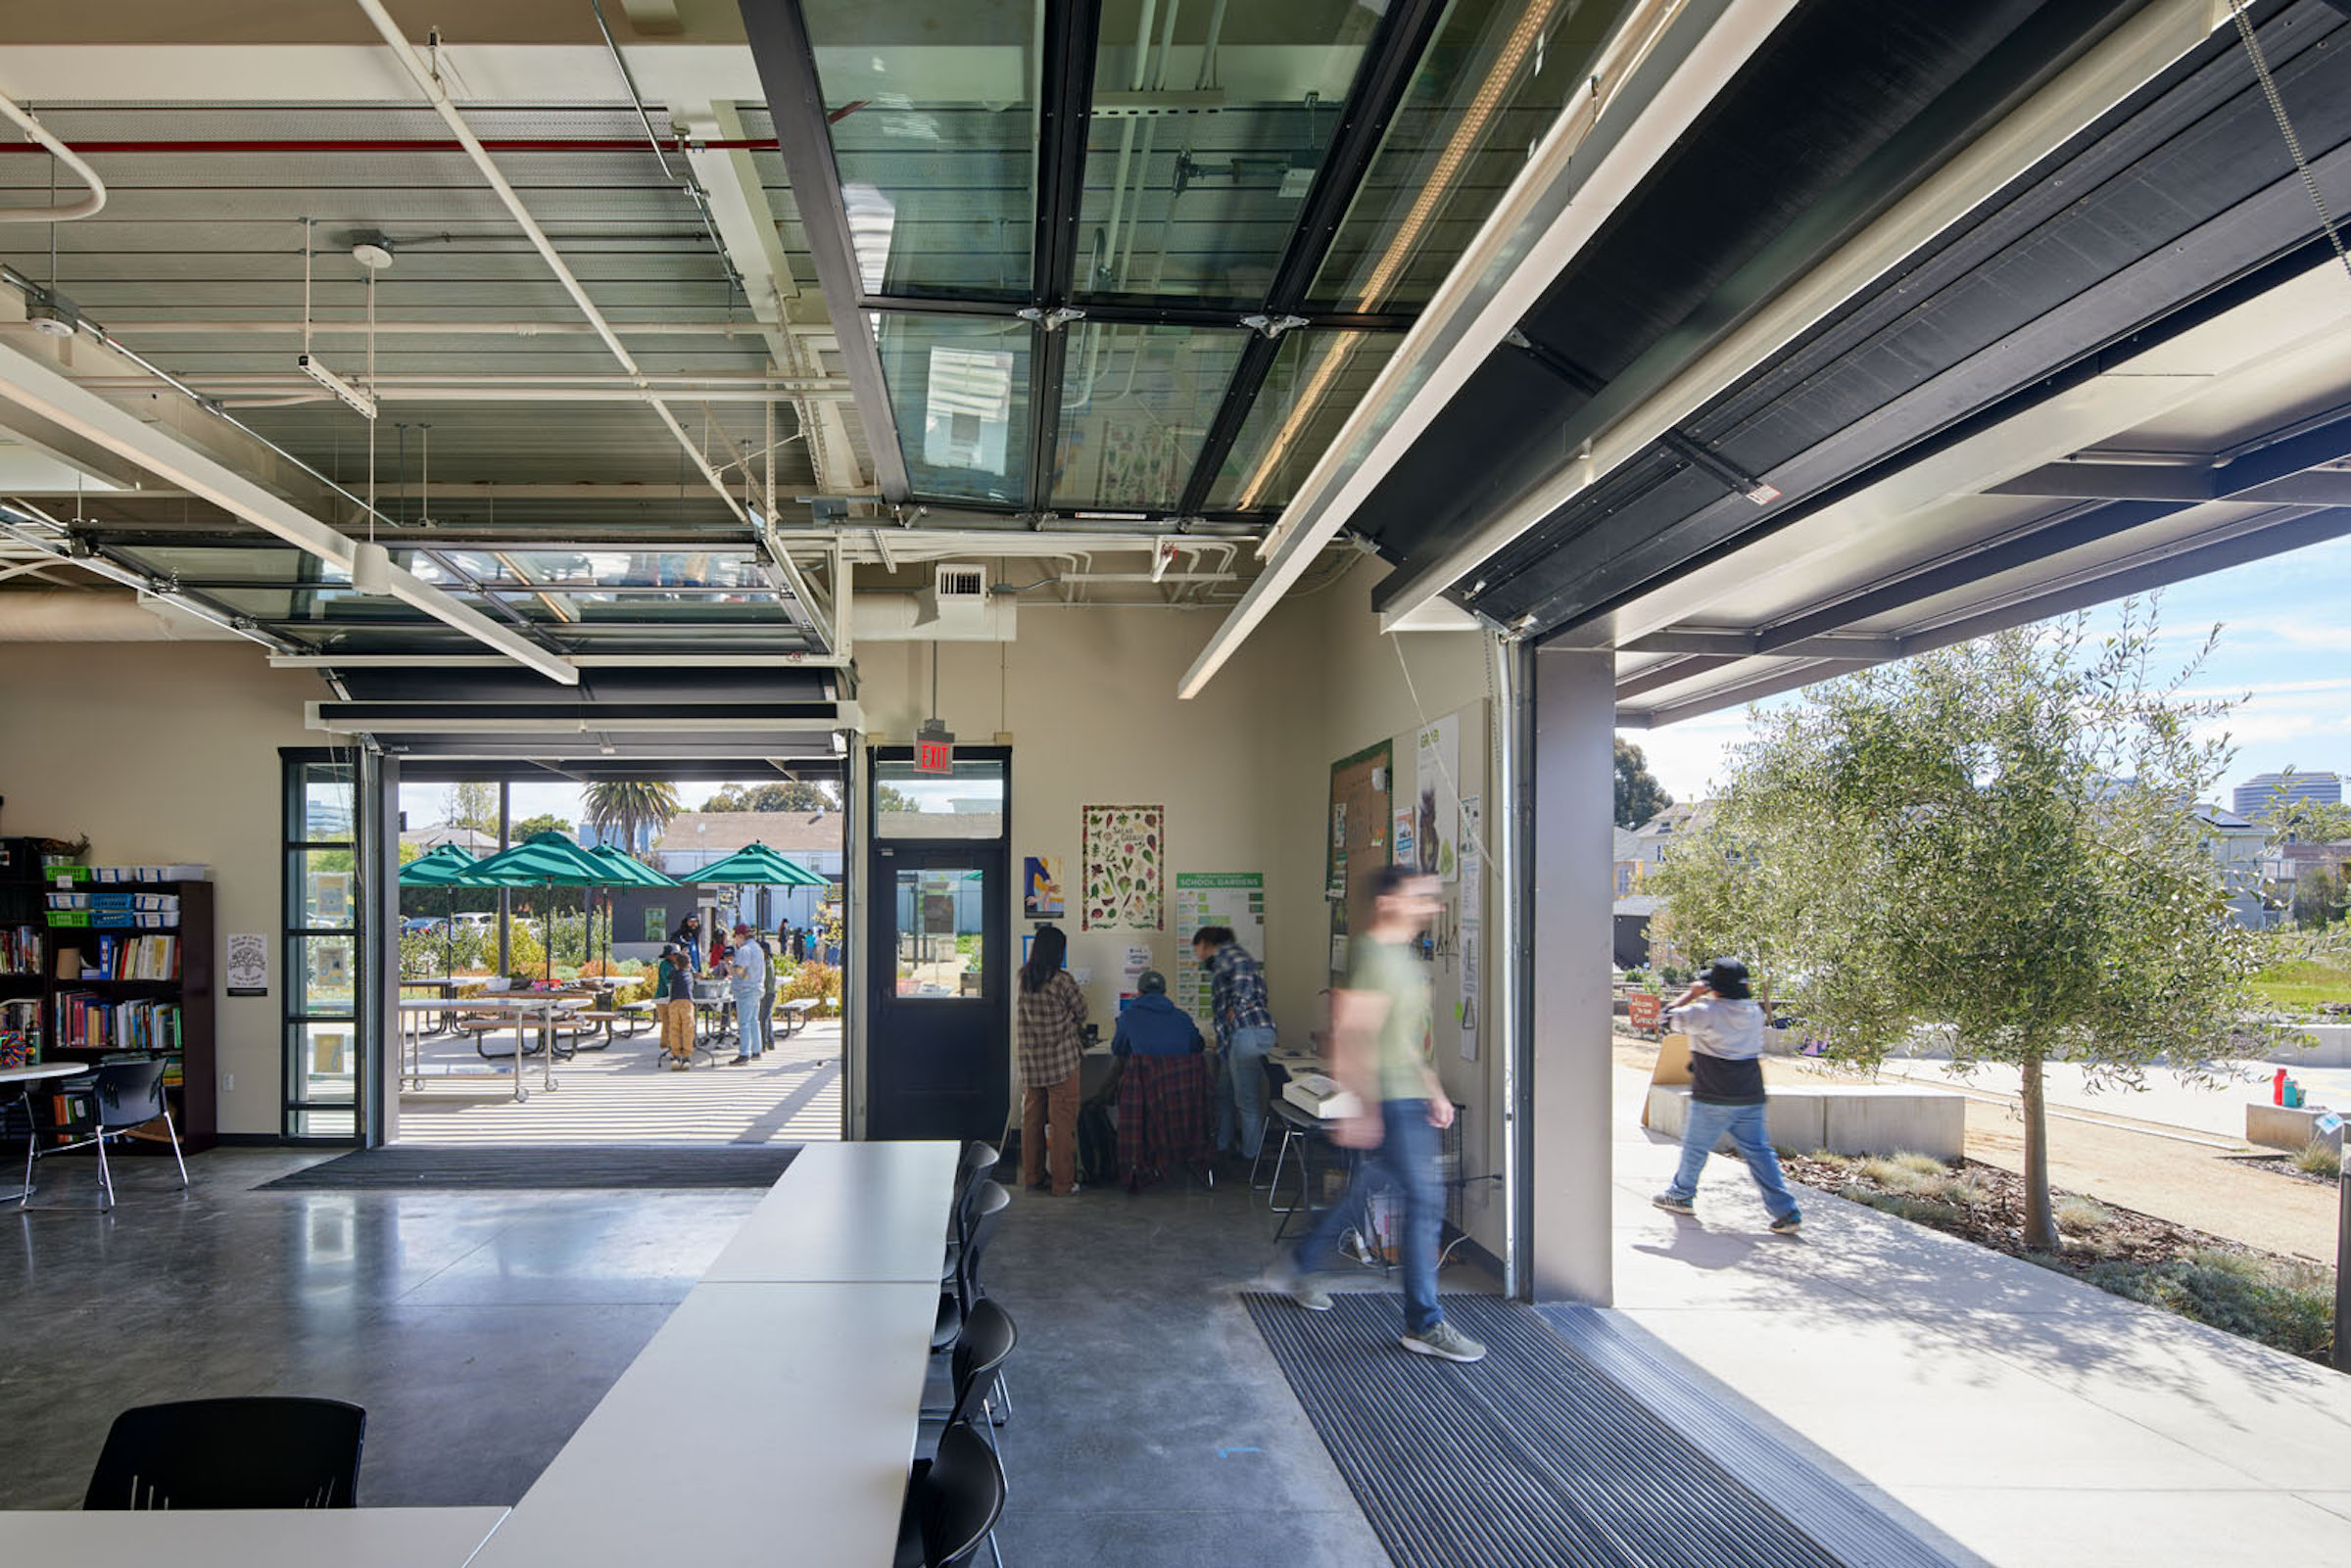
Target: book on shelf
[19,950]
[87,1022]
[139,957]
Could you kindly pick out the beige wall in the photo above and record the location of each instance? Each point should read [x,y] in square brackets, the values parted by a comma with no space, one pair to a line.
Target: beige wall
[164,752]
[1363,700]
[1088,697]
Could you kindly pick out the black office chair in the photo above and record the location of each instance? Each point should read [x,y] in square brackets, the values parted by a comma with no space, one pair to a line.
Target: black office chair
[231,1454]
[981,1351]
[953,1504]
[104,1105]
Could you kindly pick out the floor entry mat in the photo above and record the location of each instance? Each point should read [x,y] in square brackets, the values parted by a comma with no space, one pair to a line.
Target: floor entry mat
[552,1167]
[1534,1456]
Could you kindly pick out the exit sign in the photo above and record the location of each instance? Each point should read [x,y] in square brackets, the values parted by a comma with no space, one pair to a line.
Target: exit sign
[935,752]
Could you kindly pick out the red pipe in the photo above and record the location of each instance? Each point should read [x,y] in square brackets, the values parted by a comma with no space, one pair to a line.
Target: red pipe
[510,145]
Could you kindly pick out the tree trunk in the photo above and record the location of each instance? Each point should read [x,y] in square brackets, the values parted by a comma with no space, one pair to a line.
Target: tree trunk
[2041,1225]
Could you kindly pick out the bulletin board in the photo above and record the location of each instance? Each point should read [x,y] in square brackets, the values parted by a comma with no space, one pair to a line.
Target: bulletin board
[1356,828]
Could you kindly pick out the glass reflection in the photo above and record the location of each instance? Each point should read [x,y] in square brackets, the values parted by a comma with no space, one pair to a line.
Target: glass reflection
[933,116]
[1490,86]
[959,386]
[1137,403]
[941,915]
[1209,124]
[1316,383]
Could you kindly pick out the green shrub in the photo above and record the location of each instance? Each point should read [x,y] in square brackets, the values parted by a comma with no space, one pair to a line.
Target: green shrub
[1915,1174]
[814,981]
[2285,1305]
[2317,1158]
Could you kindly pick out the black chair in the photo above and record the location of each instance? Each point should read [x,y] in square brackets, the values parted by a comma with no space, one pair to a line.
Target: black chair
[953,1502]
[956,1296]
[979,1159]
[980,1351]
[231,1454]
[104,1105]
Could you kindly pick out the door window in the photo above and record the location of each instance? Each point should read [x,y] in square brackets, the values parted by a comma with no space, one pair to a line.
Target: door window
[941,918]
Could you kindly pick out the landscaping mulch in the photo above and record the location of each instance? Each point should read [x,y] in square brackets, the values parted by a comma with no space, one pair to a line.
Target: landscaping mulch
[2282,1302]
[1996,1216]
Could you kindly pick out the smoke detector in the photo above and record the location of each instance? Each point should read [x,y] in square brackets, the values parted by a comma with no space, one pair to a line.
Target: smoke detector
[51,313]
[371,249]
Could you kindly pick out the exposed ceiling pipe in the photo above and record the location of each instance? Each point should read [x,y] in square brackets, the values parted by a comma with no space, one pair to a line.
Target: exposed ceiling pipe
[426,83]
[291,328]
[26,381]
[411,146]
[87,206]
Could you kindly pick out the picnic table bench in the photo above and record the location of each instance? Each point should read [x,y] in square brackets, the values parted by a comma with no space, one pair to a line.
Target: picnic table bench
[795,1013]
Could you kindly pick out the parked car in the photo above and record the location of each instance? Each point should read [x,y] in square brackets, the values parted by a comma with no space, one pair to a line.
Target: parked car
[420,922]
[477,917]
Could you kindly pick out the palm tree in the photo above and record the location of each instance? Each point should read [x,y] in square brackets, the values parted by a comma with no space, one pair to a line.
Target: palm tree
[623,807]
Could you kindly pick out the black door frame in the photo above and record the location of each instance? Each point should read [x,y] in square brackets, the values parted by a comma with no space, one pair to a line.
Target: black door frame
[883,857]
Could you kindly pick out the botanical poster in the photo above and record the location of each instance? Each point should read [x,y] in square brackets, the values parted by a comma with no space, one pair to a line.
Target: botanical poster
[1126,868]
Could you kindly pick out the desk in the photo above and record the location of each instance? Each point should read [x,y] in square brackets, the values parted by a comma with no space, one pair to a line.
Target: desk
[809,1393]
[252,1538]
[24,1078]
[849,1213]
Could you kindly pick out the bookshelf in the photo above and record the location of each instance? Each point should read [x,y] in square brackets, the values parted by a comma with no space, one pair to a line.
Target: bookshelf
[123,967]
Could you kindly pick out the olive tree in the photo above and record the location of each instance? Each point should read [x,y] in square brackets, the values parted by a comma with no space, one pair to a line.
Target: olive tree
[1993,842]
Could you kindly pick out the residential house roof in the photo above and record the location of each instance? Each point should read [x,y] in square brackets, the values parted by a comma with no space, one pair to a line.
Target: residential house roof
[726,832]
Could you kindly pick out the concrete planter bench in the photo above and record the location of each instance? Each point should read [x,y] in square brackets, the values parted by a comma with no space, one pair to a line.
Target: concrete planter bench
[2291,1128]
[1846,1118]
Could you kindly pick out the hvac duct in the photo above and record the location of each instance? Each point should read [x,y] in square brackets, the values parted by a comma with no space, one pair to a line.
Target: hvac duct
[900,618]
[64,616]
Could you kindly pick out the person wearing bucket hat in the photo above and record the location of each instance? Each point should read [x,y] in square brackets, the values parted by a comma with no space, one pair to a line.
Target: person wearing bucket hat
[1725,1029]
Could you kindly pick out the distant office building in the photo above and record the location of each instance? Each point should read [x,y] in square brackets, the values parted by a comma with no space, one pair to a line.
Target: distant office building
[2258,795]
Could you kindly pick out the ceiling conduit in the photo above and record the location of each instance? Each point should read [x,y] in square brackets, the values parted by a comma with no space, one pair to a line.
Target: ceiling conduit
[87,206]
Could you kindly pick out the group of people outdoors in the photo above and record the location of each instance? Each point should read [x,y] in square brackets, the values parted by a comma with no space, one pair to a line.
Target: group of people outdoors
[1378,1050]
[748,960]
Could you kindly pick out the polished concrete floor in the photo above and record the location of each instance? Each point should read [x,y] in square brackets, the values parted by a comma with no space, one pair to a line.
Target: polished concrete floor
[1150,1424]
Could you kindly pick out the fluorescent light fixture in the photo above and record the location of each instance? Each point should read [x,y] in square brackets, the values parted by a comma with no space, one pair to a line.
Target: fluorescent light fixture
[360,402]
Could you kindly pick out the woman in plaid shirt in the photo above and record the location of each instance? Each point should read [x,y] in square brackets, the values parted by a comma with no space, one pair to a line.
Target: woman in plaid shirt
[1050,1019]
[1244,1034]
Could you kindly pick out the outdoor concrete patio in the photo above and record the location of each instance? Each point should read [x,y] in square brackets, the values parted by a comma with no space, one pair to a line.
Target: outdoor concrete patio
[2034,1419]
[626,1093]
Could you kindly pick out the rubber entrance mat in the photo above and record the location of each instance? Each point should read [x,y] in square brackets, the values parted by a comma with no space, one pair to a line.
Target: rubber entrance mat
[553,1167]
[1534,1456]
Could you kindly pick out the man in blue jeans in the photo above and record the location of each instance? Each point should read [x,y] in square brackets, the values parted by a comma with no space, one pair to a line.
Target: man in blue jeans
[1244,1038]
[1726,1091]
[1380,1053]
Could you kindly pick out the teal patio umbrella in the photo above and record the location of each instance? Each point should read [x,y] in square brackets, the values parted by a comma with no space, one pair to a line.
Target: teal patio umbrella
[547,860]
[757,866]
[444,867]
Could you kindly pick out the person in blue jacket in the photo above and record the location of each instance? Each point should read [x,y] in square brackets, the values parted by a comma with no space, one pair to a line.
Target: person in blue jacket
[1153,1025]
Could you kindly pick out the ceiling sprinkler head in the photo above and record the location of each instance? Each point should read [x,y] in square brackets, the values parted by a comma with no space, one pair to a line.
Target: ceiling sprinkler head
[371,249]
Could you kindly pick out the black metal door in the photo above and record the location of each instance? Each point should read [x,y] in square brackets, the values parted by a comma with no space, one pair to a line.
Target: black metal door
[938,1012]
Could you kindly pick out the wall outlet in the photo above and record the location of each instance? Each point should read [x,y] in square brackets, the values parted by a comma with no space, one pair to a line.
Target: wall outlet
[228,1083]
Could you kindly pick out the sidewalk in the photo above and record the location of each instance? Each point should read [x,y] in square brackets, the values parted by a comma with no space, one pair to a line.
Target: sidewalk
[2033,1419]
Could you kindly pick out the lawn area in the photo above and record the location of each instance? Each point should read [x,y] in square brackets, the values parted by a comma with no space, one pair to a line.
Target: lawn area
[2300,987]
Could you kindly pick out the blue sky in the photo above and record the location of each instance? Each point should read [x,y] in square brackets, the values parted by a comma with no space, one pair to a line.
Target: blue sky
[2285,639]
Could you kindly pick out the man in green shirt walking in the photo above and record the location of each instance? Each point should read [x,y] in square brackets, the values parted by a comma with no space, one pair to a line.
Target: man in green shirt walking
[1380,1054]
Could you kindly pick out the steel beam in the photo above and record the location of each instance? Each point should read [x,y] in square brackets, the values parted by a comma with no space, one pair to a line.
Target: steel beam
[1066,84]
[779,39]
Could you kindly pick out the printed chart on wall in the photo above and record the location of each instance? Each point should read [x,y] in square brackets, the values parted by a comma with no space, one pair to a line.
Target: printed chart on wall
[1361,787]
[1234,899]
[1125,869]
